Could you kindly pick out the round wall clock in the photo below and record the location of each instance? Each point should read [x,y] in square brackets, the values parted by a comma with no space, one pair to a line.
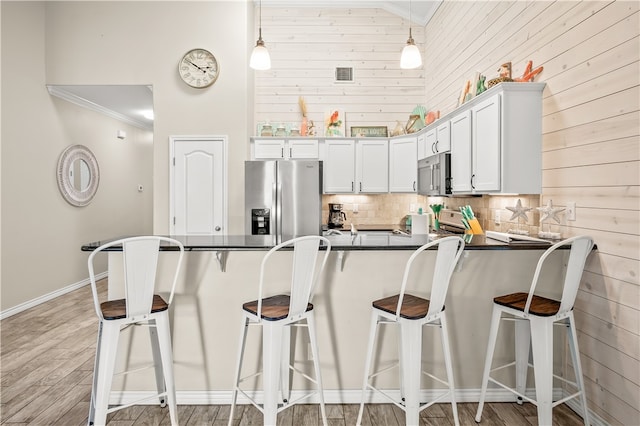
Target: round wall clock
[198,68]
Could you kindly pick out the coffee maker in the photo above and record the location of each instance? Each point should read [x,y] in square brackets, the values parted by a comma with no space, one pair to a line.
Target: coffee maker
[336,216]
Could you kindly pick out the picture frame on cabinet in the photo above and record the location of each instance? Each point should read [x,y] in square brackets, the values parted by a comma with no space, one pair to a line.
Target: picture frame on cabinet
[369,131]
[334,123]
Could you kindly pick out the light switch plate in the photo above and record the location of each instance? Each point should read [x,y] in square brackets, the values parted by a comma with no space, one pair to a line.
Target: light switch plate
[571,210]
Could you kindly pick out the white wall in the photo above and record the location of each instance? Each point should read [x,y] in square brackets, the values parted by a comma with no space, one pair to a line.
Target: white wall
[42,233]
[106,43]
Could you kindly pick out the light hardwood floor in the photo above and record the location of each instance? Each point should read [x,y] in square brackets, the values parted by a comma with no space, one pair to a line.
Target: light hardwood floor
[46,370]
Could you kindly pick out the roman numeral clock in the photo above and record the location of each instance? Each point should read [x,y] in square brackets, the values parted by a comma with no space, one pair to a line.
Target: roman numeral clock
[198,68]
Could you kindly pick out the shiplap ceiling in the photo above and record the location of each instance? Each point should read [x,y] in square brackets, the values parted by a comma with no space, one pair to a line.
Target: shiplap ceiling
[421,11]
[126,103]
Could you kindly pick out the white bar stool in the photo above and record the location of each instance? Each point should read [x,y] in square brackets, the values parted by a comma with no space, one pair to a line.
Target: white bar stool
[139,307]
[534,318]
[276,314]
[411,313]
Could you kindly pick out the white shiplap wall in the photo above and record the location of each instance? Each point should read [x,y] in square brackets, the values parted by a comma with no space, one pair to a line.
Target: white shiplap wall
[591,152]
[307,44]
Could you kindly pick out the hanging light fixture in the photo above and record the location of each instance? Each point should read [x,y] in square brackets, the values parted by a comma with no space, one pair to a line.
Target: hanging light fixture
[411,57]
[260,59]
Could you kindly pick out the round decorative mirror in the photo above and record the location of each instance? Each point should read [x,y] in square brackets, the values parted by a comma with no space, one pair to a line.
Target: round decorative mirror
[78,175]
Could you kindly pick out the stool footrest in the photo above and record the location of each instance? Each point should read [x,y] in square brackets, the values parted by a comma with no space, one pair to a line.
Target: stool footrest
[137,402]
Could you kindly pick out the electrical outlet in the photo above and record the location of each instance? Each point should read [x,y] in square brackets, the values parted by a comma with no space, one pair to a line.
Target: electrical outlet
[412,208]
[355,208]
[571,210]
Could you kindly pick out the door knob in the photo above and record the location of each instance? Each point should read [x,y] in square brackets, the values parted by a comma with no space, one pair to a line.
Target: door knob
[217,228]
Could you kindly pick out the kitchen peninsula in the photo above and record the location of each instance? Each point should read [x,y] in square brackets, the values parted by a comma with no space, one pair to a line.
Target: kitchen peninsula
[208,302]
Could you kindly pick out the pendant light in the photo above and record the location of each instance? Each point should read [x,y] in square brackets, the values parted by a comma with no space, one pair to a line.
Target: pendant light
[411,57]
[260,59]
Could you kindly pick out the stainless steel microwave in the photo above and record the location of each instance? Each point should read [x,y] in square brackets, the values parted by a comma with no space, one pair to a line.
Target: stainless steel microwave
[434,175]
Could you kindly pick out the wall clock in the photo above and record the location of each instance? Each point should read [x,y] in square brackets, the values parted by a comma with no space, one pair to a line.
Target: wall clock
[198,68]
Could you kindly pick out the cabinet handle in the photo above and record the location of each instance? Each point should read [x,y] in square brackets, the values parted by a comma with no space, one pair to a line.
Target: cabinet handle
[290,152]
[436,146]
[351,186]
[472,185]
[433,148]
[360,186]
[414,185]
[281,152]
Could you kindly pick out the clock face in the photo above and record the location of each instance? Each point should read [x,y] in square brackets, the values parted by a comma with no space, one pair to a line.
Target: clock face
[198,68]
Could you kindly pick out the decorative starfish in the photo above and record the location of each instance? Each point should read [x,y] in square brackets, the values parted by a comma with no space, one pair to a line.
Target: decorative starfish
[528,74]
[549,212]
[519,211]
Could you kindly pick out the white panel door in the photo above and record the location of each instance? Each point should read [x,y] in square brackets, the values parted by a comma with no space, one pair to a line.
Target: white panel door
[198,186]
[461,152]
[486,145]
[339,166]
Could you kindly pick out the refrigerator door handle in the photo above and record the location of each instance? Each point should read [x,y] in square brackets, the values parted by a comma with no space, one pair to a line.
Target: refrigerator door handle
[278,199]
[275,212]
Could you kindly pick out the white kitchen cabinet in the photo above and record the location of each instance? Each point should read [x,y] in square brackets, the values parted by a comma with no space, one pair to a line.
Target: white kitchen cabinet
[273,148]
[352,167]
[496,141]
[339,166]
[460,127]
[403,160]
[372,166]
[485,145]
[438,139]
[268,149]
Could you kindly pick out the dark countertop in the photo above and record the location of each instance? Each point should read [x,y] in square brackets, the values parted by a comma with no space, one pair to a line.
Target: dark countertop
[361,241]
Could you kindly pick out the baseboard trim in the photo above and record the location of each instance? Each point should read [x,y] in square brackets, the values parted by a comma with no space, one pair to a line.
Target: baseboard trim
[45,298]
[330,396]
[348,397]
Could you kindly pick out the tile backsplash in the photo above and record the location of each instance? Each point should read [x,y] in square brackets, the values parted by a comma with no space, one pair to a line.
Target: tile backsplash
[392,209]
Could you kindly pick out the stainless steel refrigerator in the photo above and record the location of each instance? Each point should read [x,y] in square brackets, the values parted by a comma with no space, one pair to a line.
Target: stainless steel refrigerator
[283,198]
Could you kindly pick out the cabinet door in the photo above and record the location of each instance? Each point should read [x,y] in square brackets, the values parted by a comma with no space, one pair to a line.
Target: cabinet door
[461,152]
[431,137]
[403,165]
[422,147]
[339,166]
[264,149]
[303,148]
[372,166]
[486,145]
[443,141]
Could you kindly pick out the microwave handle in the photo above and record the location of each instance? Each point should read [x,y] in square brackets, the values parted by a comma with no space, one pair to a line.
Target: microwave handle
[431,180]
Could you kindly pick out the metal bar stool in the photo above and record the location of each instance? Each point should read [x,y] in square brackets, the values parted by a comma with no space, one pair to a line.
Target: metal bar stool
[276,315]
[411,313]
[534,318]
[139,307]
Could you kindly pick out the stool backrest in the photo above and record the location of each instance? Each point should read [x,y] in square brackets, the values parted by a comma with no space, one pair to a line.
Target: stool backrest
[140,261]
[449,251]
[303,271]
[580,248]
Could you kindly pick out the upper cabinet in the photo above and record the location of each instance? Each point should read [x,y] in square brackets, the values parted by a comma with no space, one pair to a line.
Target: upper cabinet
[279,148]
[435,139]
[352,166]
[403,164]
[339,166]
[496,141]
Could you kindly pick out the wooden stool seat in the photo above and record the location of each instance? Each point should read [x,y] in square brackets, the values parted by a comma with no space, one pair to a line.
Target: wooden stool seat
[274,308]
[117,309]
[413,307]
[540,306]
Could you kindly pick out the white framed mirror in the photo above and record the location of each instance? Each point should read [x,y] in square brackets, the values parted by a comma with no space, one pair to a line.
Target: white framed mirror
[78,175]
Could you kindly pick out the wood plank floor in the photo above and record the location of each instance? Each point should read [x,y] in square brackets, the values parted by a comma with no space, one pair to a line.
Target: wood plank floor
[46,366]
